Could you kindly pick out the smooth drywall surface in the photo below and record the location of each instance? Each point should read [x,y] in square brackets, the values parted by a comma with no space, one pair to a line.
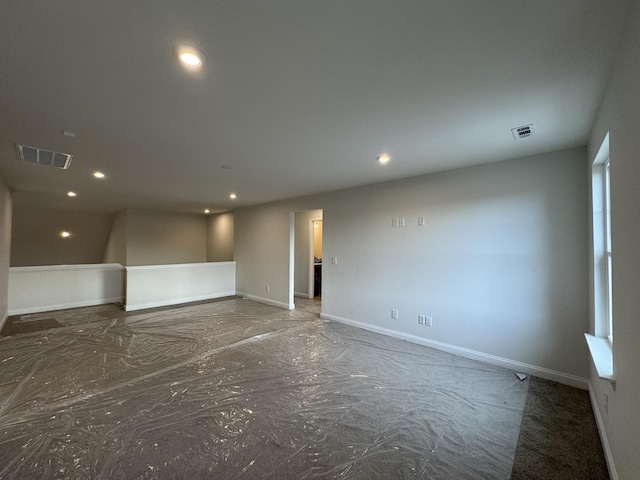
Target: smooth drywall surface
[158,238]
[220,237]
[5,249]
[36,239]
[303,287]
[262,240]
[160,285]
[500,262]
[620,116]
[116,249]
[46,288]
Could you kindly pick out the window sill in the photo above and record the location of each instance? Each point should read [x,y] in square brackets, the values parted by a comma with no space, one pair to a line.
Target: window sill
[602,355]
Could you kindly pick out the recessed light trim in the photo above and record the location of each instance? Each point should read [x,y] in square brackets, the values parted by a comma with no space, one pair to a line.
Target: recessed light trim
[65,234]
[233,196]
[99,174]
[206,210]
[190,56]
[383,159]
[71,194]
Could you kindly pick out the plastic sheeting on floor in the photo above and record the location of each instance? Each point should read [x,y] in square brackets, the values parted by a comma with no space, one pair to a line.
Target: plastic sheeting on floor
[235,389]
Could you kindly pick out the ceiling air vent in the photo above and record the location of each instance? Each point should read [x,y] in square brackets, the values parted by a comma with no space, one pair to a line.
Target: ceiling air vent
[523,131]
[40,156]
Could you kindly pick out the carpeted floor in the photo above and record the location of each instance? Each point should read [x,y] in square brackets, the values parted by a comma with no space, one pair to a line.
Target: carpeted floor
[18,325]
[558,435]
[236,389]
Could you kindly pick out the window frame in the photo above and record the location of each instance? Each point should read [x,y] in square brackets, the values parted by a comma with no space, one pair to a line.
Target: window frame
[608,250]
[600,340]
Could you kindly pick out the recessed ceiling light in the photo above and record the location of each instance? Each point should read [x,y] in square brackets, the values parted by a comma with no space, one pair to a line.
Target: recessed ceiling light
[71,194]
[383,159]
[98,174]
[65,234]
[233,196]
[191,56]
[206,210]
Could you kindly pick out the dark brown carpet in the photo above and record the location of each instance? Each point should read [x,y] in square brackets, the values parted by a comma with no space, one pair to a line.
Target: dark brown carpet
[15,327]
[558,435]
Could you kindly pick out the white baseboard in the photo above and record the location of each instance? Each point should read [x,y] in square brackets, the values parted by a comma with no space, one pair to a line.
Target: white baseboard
[175,301]
[65,306]
[267,301]
[611,466]
[302,295]
[515,365]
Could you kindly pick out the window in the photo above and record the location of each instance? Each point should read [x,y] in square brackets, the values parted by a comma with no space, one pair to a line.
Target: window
[600,341]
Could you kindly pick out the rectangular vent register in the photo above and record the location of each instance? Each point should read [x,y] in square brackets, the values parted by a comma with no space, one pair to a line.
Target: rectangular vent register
[40,156]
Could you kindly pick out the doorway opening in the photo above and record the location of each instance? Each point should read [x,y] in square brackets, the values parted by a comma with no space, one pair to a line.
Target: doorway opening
[306,288]
[316,248]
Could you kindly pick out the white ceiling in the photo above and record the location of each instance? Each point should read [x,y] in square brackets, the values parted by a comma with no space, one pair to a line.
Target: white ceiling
[297,97]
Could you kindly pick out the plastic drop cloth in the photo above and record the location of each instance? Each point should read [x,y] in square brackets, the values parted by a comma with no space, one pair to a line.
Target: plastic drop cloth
[235,389]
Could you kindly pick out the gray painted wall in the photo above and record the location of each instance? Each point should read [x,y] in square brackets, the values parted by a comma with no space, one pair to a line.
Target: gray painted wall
[36,235]
[5,248]
[156,238]
[116,249]
[220,237]
[262,251]
[130,237]
[500,264]
[620,116]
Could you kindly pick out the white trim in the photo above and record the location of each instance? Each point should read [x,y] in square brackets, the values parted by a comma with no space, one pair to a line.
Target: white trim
[302,295]
[602,356]
[175,265]
[608,455]
[164,303]
[603,151]
[48,268]
[65,306]
[564,378]
[267,301]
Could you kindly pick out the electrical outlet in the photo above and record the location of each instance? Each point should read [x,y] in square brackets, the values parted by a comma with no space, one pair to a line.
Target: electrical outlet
[401,222]
[428,321]
[394,222]
[268,288]
[394,314]
[334,260]
[421,221]
[421,319]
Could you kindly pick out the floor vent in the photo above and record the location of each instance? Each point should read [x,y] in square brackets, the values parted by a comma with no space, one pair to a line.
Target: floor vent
[40,156]
[523,131]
